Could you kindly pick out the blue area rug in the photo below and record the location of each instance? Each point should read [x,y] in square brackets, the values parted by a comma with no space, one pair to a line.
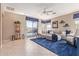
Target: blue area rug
[60,47]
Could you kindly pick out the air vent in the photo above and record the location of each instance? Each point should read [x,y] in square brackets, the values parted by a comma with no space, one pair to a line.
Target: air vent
[10,8]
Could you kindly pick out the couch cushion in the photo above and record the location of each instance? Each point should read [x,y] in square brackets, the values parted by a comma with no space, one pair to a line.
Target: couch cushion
[70,39]
[54,37]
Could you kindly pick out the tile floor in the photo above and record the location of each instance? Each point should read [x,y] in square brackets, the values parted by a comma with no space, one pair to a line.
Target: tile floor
[24,48]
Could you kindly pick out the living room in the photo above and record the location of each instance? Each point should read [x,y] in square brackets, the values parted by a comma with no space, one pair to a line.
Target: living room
[35,26]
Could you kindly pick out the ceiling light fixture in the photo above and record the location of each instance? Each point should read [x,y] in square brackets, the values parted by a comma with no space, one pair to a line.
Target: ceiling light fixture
[48,12]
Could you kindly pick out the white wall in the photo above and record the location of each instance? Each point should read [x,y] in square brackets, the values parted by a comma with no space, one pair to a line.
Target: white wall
[68,18]
[8,24]
[0,23]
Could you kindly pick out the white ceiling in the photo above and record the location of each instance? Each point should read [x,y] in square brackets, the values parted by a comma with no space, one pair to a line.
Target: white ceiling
[35,9]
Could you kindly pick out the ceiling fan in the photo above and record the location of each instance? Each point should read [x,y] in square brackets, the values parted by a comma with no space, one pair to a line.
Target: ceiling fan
[48,12]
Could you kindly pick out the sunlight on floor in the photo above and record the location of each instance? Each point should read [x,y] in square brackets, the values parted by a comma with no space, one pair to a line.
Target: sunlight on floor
[24,48]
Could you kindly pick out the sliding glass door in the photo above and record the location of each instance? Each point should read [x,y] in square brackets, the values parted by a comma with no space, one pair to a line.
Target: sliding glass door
[32,28]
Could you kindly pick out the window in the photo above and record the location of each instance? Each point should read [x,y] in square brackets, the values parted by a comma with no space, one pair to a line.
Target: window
[34,24]
[31,28]
[49,27]
[29,24]
[77,22]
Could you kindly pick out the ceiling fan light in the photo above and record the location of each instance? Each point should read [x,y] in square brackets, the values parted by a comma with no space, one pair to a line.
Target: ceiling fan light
[54,13]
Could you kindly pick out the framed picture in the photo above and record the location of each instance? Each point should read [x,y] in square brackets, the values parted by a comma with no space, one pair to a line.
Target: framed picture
[55,24]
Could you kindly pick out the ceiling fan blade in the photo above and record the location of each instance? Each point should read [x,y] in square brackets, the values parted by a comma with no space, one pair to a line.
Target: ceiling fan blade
[50,11]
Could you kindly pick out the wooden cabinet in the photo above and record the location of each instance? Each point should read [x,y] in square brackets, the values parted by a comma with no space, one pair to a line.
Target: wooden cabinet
[17,30]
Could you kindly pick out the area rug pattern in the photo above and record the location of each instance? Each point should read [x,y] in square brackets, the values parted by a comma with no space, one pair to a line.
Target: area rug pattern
[60,47]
